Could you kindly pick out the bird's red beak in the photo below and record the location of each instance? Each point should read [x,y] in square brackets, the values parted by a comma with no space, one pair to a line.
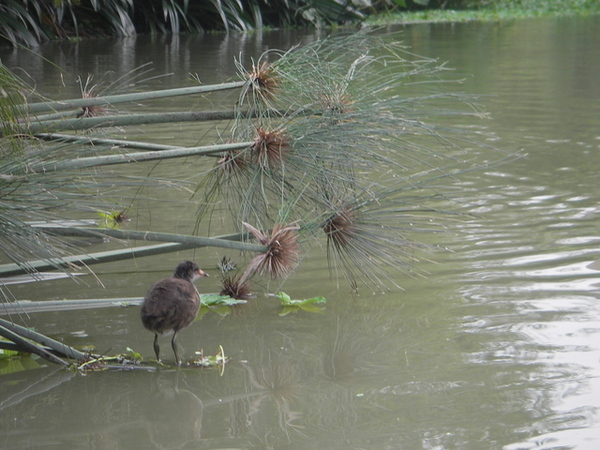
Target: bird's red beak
[202,273]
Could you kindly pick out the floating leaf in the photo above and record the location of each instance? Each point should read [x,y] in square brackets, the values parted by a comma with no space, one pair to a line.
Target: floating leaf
[216,303]
[284,297]
[308,305]
[217,299]
[288,309]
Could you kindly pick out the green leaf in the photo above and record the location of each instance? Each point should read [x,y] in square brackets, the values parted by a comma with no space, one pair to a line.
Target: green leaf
[308,305]
[288,309]
[286,300]
[217,299]
[284,297]
[135,355]
[4,354]
[311,308]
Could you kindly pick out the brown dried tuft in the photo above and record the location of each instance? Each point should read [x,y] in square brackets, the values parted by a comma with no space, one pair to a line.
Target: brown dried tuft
[263,80]
[269,147]
[281,257]
[236,288]
[341,228]
[94,110]
[232,161]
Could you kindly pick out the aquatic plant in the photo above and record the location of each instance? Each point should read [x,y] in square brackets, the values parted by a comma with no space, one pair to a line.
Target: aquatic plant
[336,142]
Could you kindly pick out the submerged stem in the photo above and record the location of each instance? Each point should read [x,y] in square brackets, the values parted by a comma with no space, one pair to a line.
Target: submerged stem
[30,347]
[59,347]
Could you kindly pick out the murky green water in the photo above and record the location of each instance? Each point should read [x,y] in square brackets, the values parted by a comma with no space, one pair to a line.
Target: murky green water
[497,348]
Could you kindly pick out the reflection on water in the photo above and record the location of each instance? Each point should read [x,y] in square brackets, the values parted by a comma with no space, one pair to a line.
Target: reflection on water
[497,348]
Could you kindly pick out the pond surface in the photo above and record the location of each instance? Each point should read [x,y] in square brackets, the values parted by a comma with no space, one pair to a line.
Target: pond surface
[497,347]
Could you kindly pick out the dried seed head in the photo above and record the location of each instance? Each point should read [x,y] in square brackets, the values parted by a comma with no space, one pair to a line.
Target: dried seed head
[281,257]
[341,227]
[263,80]
[236,288]
[94,110]
[232,161]
[269,147]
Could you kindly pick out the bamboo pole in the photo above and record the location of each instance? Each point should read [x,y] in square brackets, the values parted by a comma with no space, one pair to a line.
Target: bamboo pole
[59,347]
[39,265]
[90,140]
[106,160]
[9,345]
[60,105]
[28,307]
[25,345]
[86,123]
[13,269]
[198,241]
[30,347]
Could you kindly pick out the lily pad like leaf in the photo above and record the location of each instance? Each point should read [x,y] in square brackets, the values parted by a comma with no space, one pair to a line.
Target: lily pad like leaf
[308,305]
[311,307]
[217,299]
[288,309]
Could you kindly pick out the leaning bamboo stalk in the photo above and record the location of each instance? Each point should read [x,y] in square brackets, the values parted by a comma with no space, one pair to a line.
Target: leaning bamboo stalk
[30,347]
[156,236]
[28,307]
[7,270]
[60,105]
[54,116]
[86,123]
[57,346]
[105,160]
[91,140]
[9,345]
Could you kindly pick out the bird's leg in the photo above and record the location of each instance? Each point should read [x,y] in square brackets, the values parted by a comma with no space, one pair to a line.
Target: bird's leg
[174,345]
[156,347]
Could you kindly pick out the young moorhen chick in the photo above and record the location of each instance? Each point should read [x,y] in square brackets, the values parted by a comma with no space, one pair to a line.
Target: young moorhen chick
[172,304]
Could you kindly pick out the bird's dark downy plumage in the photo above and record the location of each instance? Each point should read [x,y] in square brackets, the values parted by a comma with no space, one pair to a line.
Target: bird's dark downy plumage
[172,304]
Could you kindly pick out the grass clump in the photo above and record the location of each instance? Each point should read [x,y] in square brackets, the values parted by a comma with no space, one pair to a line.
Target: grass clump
[487,10]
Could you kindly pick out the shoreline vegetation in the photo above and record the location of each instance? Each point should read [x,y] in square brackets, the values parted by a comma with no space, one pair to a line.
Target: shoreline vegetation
[488,11]
[35,22]
[474,15]
[341,143]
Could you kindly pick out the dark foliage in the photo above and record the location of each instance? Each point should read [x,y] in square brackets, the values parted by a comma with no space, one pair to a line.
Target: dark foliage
[29,22]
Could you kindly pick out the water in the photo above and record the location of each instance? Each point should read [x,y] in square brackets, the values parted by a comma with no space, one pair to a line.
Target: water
[496,348]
